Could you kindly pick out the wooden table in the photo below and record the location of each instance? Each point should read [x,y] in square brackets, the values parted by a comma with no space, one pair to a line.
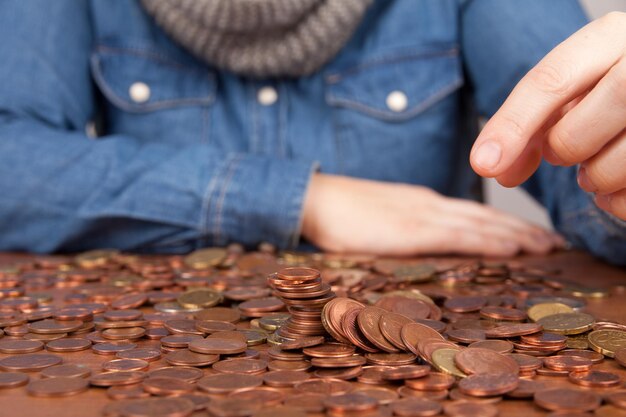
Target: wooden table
[575,266]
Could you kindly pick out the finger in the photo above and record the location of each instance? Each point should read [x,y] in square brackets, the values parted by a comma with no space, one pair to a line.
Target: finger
[442,240]
[594,122]
[567,71]
[605,173]
[525,165]
[528,240]
[614,203]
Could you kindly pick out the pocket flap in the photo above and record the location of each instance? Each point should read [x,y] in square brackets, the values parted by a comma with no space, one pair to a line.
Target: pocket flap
[143,81]
[397,87]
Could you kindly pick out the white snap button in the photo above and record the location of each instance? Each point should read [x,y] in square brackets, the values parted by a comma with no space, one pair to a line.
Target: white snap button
[397,101]
[267,96]
[139,92]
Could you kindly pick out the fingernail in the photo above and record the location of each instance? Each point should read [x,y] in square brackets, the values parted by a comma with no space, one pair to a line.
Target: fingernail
[603,201]
[584,182]
[488,155]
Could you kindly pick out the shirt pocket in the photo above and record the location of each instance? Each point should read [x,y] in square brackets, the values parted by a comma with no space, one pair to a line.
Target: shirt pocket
[152,97]
[394,115]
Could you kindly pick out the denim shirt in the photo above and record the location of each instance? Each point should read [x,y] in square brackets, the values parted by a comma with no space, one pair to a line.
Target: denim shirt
[187,155]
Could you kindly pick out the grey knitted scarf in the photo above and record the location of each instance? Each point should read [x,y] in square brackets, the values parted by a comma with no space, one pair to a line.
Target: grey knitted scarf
[260,38]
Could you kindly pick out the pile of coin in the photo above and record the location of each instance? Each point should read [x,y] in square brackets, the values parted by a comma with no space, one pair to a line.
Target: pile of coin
[221,332]
[305,295]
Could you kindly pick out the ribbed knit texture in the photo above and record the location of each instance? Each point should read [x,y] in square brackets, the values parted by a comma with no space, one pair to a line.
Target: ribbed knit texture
[260,38]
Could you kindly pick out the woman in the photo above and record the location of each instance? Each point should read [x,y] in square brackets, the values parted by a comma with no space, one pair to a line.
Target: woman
[344,122]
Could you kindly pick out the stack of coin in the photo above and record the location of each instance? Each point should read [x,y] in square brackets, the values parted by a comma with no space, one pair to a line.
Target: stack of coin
[305,295]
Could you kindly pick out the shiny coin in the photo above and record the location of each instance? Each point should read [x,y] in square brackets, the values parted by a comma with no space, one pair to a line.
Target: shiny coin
[443,360]
[66,371]
[125,365]
[185,357]
[486,385]
[241,366]
[54,326]
[432,382]
[158,407]
[199,298]
[595,379]
[13,379]
[205,258]
[284,378]
[167,386]
[478,361]
[541,310]
[20,346]
[565,399]
[226,383]
[108,379]
[185,373]
[350,402]
[567,323]
[469,409]
[416,407]
[217,346]
[607,342]
[68,345]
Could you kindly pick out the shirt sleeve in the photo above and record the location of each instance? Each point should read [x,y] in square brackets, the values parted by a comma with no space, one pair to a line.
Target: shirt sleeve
[501,41]
[64,191]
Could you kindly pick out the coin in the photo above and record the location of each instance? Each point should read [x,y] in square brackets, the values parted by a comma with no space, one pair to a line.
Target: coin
[565,399]
[13,379]
[412,333]
[595,379]
[199,298]
[567,323]
[620,356]
[607,341]
[444,361]
[185,357]
[20,346]
[432,382]
[350,403]
[29,362]
[57,387]
[326,387]
[226,383]
[488,384]
[284,378]
[108,379]
[68,345]
[567,363]
[158,407]
[167,386]
[477,361]
[416,407]
[217,346]
[541,310]
[469,409]
[205,258]
[186,373]
[66,371]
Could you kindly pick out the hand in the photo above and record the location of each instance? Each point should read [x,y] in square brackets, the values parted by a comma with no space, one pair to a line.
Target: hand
[343,214]
[570,108]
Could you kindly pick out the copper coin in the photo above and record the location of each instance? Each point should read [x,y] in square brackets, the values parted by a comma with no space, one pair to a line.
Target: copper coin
[185,373]
[326,387]
[13,379]
[226,383]
[66,371]
[57,387]
[411,308]
[373,375]
[68,345]
[29,362]
[412,333]
[179,340]
[526,388]
[111,348]
[147,354]
[230,315]
[500,346]
[275,352]
[487,385]
[54,326]
[284,378]
[127,392]
[20,346]
[217,346]
[351,330]
[469,409]
[426,347]
[526,362]
[212,326]
[390,359]
[241,366]
[502,313]
[466,335]
[341,362]
[478,361]
[350,402]
[281,411]
[333,313]
[167,386]
[182,326]
[406,392]
[434,381]
[339,373]
[330,350]
[384,396]
[368,321]
[129,301]
[263,396]
[391,327]
[310,403]
[594,357]
[124,333]
[595,379]
[565,399]
[185,357]
[543,339]
[256,307]
[158,407]
[455,394]
[278,365]
[125,365]
[416,407]
[73,313]
[567,363]
[227,407]
[406,372]
[107,379]
[465,304]
[302,342]
[620,356]
[513,330]
[122,315]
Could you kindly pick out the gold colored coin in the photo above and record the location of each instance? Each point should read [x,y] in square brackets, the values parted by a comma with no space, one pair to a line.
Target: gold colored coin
[607,342]
[443,360]
[567,323]
[205,258]
[539,311]
[199,298]
[95,258]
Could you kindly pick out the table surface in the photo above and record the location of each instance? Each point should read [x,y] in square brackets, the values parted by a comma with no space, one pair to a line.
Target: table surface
[575,266]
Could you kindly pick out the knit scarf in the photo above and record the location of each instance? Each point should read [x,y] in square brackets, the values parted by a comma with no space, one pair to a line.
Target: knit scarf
[260,38]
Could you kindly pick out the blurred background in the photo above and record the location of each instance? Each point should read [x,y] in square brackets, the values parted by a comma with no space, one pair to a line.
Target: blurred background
[516,200]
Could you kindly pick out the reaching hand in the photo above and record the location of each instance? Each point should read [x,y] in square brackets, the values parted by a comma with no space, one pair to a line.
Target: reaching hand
[570,109]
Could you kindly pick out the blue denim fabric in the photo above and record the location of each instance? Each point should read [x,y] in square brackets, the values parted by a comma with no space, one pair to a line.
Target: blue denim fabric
[202,162]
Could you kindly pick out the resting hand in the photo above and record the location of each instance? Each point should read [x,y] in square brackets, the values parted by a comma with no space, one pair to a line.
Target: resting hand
[570,109]
[343,214]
